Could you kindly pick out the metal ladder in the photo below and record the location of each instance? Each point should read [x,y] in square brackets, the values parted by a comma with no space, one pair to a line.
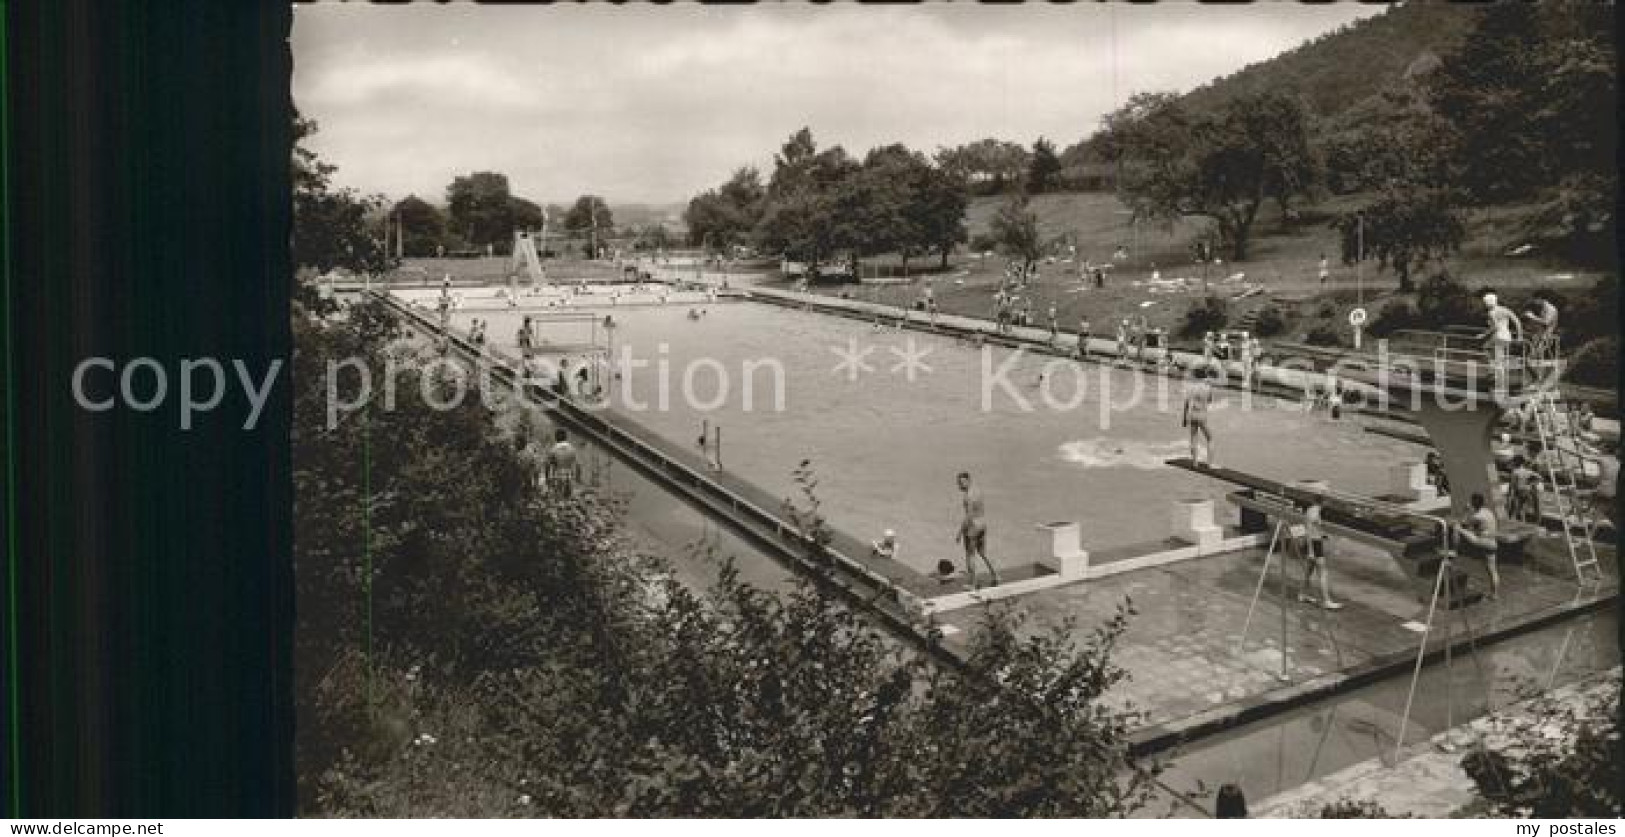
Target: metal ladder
[1563,468]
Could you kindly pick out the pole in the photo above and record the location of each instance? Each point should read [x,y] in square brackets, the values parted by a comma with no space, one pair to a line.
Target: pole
[1283,676]
[1359,259]
[1359,280]
[1421,653]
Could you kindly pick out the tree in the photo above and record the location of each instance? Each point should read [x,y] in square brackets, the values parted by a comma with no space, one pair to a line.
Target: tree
[332,228]
[1530,102]
[1015,228]
[589,216]
[874,209]
[798,218]
[1223,166]
[1404,230]
[481,209]
[589,212]
[726,215]
[1044,167]
[523,214]
[988,165]
[422,226]
[939,210]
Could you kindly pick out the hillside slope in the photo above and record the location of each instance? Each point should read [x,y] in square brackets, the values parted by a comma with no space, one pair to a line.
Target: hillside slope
[1350,65]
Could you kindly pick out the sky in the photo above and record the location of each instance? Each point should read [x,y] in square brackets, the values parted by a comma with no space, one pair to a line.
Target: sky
[655,104]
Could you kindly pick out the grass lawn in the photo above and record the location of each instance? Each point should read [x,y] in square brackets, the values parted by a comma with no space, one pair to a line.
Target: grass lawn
[1283,258]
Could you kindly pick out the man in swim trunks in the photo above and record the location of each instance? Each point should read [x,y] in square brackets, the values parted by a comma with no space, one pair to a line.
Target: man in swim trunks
[1083,337]
[973,530]
[1476,537]
[1314,553]
[1523,492]
[1603,508]
[560,468]
[1198,400]
[1542,316]
[1502,324]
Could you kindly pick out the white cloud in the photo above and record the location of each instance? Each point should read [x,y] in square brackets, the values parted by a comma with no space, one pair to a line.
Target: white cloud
[656,104]
[467,80]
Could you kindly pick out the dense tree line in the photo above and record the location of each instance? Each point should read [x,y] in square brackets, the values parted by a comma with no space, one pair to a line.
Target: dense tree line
[332,227]
[481,212]
[823,206]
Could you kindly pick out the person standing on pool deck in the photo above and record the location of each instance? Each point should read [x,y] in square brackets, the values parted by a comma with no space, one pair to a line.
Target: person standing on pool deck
[1054,325]
[1083,337]
[1198,398]
[1477,531]
[1314,553]
[524,338]
[561,469]
[973,530]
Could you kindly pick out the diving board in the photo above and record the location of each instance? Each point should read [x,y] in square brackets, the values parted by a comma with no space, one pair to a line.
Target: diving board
[1407,533]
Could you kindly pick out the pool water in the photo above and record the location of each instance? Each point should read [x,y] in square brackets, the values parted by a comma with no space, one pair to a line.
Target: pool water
[886,449]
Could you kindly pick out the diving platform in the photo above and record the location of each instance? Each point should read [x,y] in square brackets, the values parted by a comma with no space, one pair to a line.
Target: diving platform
[1417,542]
[1456,390]
[1401,532]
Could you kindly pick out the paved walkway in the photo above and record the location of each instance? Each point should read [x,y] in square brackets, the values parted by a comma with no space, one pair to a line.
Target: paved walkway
[1429,781]
[1191,672]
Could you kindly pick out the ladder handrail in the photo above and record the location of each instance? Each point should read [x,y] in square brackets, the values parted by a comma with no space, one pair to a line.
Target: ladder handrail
[1565,496]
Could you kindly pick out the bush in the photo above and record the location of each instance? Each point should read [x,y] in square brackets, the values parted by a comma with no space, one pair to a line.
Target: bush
[1592,315]
[1323,335]
[1361,809]
[1397,315]
[1269,322]
[1529,772]
[1211,314]
[1442,301]
[1596,364]
[983,242]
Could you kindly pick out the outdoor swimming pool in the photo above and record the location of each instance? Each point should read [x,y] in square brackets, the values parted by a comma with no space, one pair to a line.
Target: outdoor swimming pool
[886,445]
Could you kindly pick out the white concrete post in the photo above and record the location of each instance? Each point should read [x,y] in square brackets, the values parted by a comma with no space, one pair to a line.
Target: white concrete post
[1193,521]
[1061,549]
[1409,480]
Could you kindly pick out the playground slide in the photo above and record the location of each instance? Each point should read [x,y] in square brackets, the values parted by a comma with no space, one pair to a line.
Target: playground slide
[524,250]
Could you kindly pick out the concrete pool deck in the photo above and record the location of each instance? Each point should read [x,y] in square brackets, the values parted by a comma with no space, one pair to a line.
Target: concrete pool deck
[1190,674]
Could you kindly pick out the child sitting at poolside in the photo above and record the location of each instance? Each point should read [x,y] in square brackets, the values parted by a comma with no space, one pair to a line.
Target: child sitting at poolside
[886,547]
